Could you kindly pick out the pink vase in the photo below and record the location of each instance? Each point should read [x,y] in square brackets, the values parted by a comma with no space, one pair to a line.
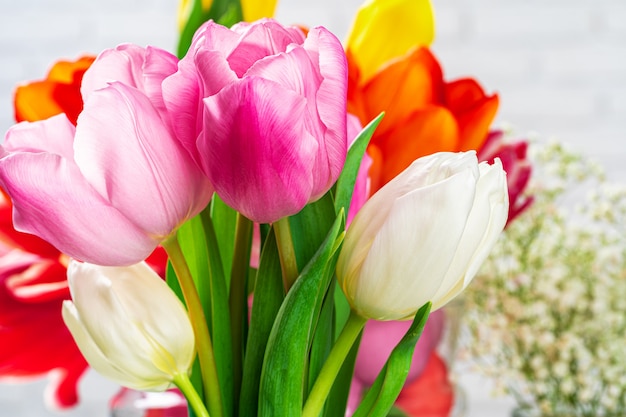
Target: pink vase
[132,403]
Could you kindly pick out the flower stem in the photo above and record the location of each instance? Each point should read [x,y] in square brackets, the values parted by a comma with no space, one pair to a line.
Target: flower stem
[286,252]
[186,387]
[328,373]
[204,345]
[238,296]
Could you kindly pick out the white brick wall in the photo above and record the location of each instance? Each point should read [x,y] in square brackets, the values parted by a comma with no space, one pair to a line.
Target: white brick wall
[558,65]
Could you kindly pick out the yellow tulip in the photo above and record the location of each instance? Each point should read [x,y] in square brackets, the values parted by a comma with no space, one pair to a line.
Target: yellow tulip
[387,29]
[257,9]
[184,10]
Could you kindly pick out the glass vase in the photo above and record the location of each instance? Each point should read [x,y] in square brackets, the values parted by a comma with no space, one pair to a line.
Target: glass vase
[131,403]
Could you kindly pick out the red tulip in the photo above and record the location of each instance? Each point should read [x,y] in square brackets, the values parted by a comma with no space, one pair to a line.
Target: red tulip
[58,93]
[516,166]
[424,113]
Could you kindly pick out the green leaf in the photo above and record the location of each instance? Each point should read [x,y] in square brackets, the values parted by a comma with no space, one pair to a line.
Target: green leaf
[309,228]
[323,338]
[224,12]
[396,412]
[268,289]
[347,178]
[381,396]
[192,240]
[286,356]
[224,221]
[338,396]
[195,19]
[220,314]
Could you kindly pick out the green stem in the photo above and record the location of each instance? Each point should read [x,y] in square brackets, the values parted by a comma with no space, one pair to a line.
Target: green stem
[238,296]
[328,374]
[204,345]
[286,252]
[186,387]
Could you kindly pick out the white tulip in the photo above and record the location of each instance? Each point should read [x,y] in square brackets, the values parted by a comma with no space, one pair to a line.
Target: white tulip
[129,325]
[423,236]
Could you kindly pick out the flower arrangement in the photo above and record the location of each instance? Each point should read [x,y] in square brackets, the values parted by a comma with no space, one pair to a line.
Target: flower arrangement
[548,305]
[245,141]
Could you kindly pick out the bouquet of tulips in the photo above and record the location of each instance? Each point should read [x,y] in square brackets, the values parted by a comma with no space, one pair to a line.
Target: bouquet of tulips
[241,161]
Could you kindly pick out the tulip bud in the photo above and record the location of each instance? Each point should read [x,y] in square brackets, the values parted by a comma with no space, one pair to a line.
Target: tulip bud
[423,236]
[129,325]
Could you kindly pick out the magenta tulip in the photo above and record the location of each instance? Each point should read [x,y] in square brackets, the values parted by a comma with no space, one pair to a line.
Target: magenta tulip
[109,190]
[263,109]
[516,165]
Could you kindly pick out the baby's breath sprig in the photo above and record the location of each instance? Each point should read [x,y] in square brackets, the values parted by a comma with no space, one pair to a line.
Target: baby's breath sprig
[547,311]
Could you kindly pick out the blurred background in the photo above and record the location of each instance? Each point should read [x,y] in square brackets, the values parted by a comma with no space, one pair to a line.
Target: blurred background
[559,67]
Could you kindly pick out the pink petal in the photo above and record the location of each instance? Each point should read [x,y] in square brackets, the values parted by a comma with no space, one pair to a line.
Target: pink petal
[257,153]
[213,36]
[213,70]
[158,65]
[325,49]
[54,135]
[52,200]
[128,154]
[379,339]
[142,68]
[263,38]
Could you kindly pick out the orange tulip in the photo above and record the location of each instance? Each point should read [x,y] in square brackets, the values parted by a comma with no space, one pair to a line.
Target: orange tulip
[58,93]
[423,113]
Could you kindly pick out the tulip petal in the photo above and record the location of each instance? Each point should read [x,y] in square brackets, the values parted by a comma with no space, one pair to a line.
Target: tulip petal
[127,327]
[88,348]
[484,225]
[255,146]
[29,105]
[58,93]
[331,105]
[66,71]
[181,96]
[473,109]
[214,36]
[257,41]
[214,71]
[55,187]
[420,86]
[142,68]
[147,338]
[52,187]
[386,29]
[429,130]
[54,135]
[435,235]
[134,163]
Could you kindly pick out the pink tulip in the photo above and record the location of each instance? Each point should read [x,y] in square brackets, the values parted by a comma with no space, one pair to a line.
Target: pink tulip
[378,340]
[141,68]
[109,190]
[263,109]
